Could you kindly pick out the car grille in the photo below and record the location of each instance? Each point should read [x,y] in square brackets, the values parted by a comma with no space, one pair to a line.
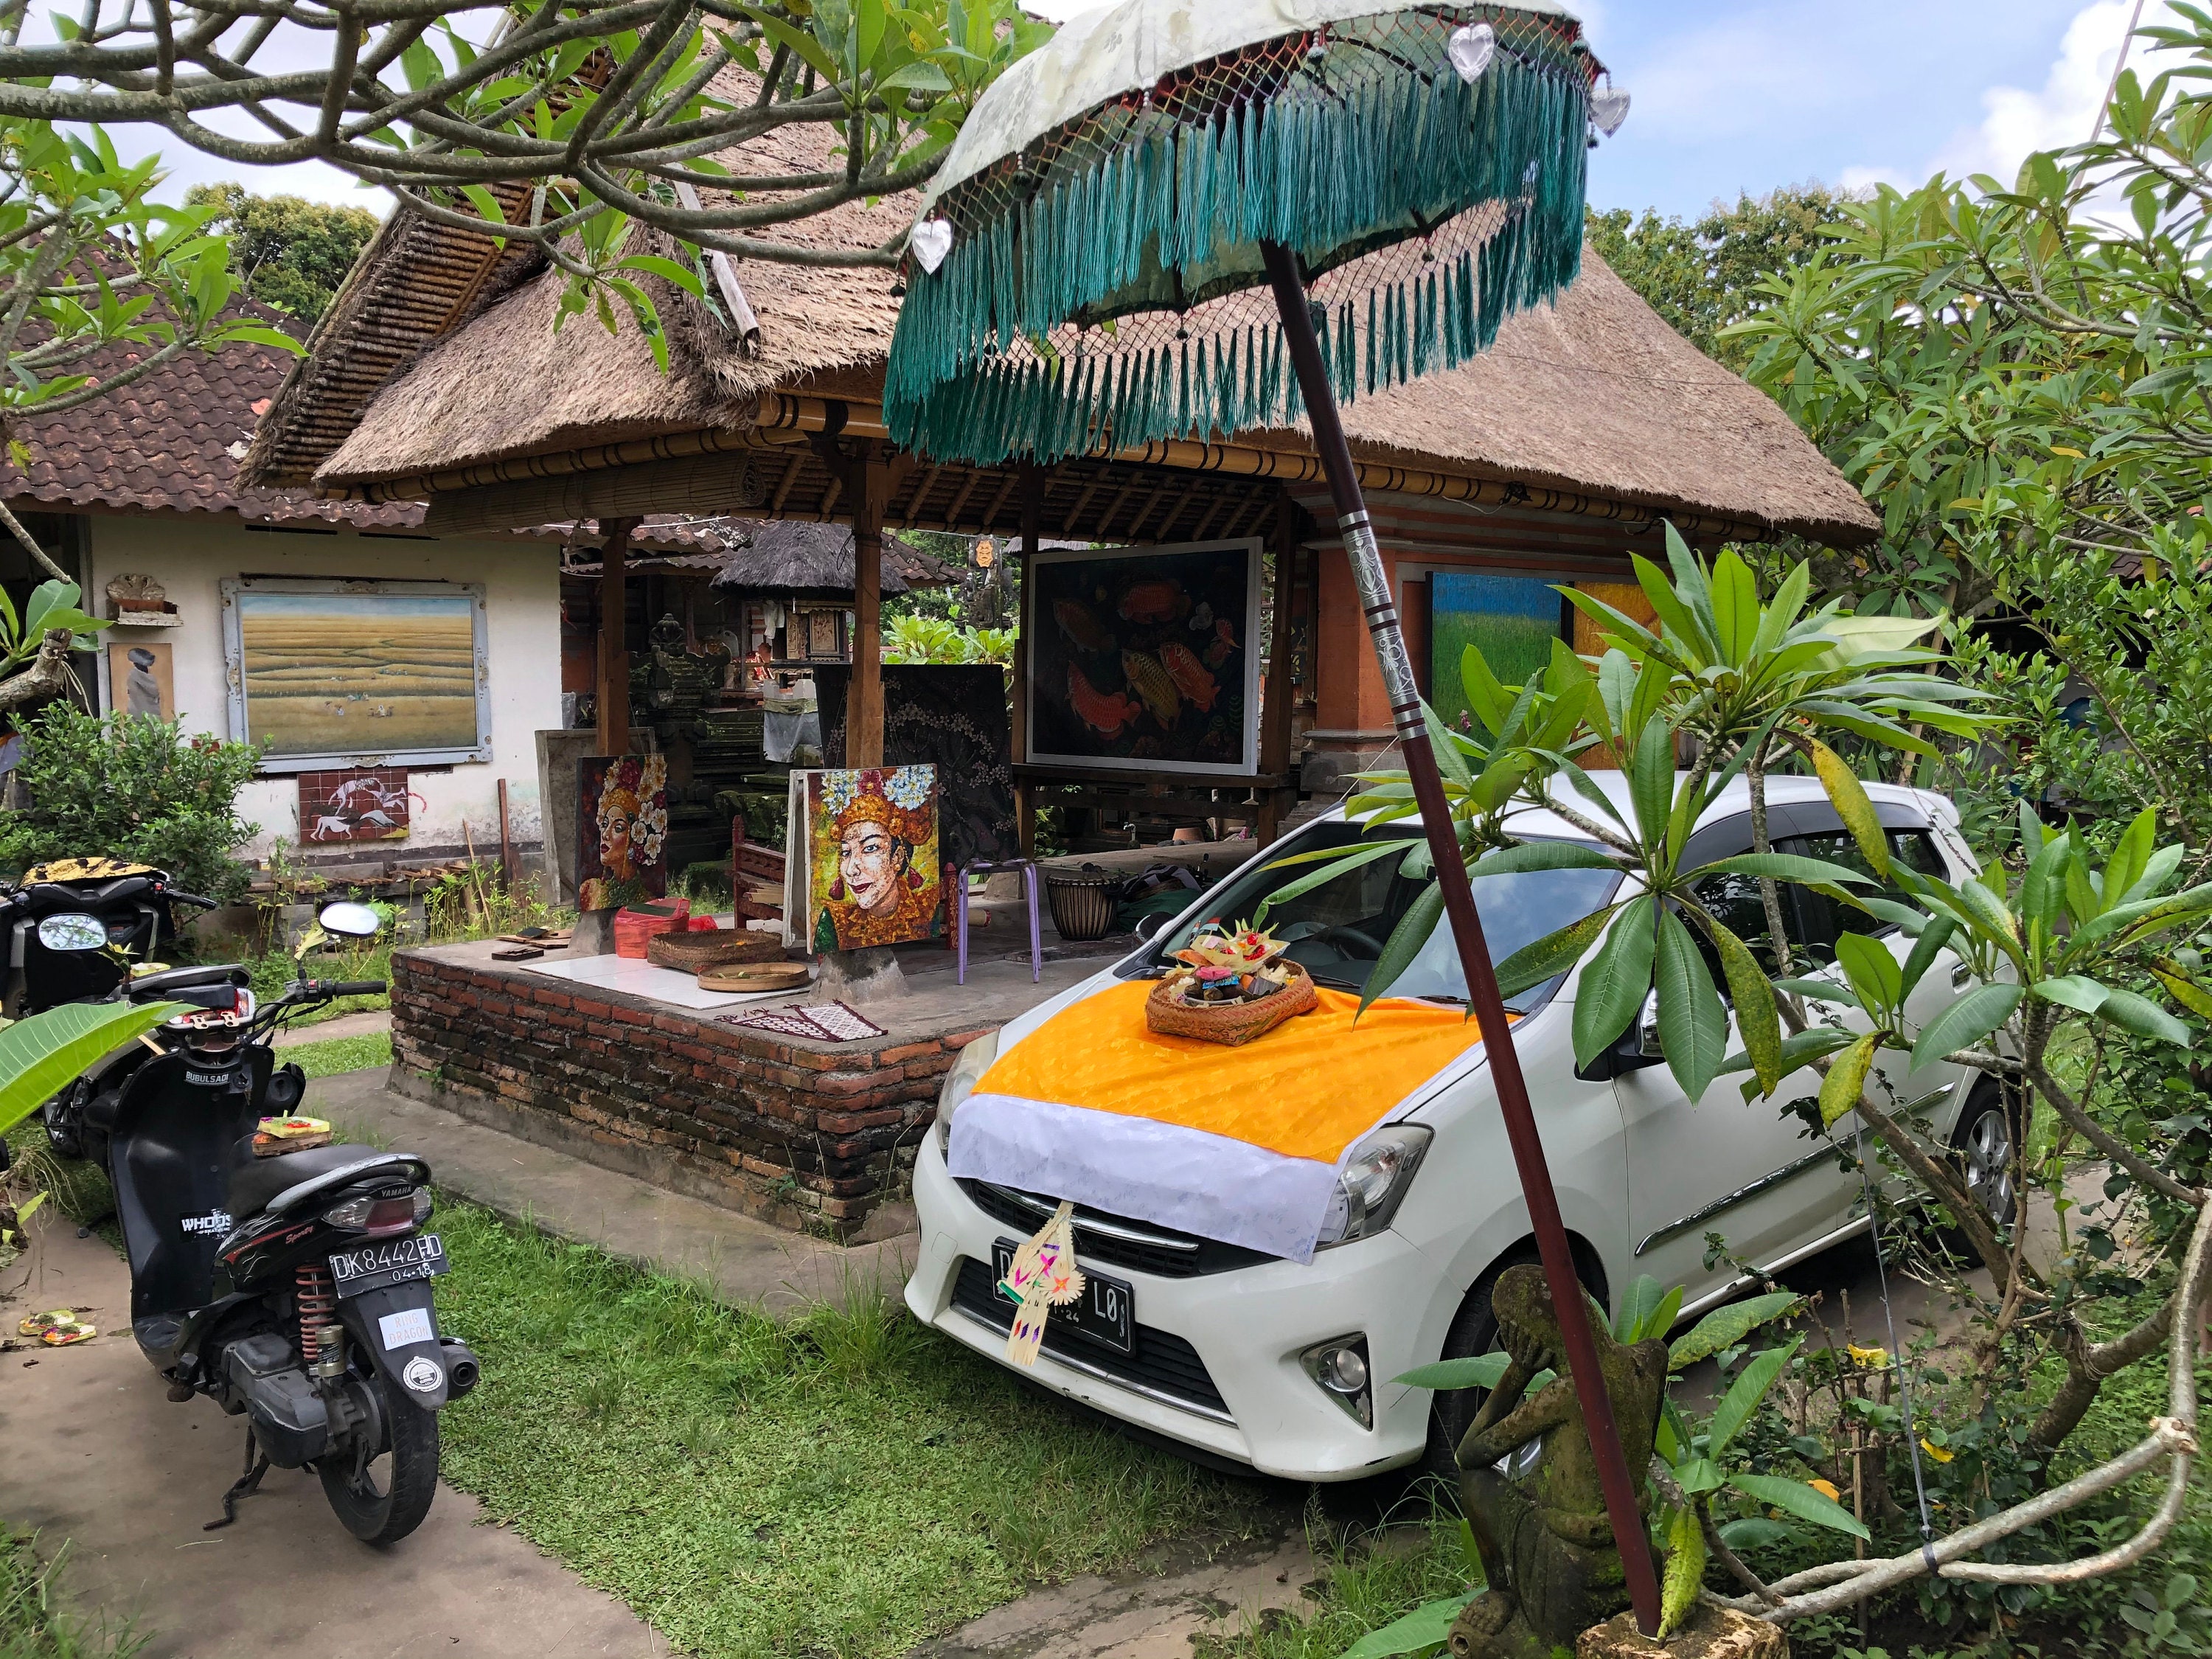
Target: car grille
[1163,1364]
[1113,1240]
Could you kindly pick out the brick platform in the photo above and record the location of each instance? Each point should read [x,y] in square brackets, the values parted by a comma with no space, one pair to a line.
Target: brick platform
[810,1136]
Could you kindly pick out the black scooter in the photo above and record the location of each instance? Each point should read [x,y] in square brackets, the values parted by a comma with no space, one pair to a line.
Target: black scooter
[76,930]
[293,1290]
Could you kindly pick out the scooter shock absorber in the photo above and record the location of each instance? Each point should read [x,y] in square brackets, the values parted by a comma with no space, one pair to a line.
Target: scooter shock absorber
[322,1338]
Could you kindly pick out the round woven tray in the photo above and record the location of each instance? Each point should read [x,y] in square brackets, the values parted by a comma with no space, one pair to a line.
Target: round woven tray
[690,953]
[755,977]
[1232,1023]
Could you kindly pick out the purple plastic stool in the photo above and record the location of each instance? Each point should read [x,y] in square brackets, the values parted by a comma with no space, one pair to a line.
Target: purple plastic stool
[987,866]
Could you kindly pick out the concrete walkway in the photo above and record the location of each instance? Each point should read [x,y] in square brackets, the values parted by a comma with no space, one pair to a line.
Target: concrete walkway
[745,1260]
[1138,1614]
[97,1456]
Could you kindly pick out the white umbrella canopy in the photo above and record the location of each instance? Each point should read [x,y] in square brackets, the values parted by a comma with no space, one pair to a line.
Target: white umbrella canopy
[1083,265]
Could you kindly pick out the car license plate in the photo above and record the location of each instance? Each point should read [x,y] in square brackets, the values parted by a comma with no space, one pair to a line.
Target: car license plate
[1105,1313]
[375,1265]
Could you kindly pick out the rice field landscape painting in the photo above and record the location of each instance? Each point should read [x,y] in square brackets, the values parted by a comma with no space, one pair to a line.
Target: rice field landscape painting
[355,672]
[1513,619]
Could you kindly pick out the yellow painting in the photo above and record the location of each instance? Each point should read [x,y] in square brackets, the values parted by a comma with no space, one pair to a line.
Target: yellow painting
[873,873]
[358,673]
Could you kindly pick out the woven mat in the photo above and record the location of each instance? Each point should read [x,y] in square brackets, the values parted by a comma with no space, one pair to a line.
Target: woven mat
[819,1022]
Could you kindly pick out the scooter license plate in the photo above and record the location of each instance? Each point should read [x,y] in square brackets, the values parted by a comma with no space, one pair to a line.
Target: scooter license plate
[375,1265]
[1105,1313]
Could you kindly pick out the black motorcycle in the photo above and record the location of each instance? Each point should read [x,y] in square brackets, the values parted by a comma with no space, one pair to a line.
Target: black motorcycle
[77,927]
[294,1289]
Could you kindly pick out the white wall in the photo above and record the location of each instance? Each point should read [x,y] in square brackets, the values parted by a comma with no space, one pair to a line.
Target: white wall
[190,554]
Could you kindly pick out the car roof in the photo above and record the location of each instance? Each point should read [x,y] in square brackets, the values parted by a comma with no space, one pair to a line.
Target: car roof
[1536,823]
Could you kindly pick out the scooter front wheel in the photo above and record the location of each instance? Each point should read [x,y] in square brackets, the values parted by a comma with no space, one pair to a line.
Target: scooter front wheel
[388,1498]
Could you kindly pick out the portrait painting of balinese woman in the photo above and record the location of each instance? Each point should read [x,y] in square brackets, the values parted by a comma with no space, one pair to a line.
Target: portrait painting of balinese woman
[873,857]
[623,831]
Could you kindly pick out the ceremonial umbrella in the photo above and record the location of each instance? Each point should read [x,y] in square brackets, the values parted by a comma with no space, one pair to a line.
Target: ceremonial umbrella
[1181,217]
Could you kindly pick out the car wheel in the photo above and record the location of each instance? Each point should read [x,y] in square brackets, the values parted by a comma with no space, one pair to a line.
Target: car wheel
[1986,1145]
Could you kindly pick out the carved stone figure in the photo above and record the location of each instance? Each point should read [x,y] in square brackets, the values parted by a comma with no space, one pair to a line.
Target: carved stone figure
[1545,1542]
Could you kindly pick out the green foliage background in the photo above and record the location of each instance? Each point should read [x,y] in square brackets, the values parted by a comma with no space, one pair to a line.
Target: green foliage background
[137,789]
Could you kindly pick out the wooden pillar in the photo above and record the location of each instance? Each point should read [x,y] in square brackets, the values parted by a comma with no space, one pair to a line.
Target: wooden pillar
[614,647]
[1275,711]
[1031,482]
[864,718]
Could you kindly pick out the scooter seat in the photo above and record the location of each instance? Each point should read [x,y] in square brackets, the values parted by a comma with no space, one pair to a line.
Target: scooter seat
[256,1183]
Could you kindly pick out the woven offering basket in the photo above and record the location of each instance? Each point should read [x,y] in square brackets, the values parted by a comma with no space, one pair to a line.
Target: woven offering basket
[1231,1023]
[755,977]
[692,953]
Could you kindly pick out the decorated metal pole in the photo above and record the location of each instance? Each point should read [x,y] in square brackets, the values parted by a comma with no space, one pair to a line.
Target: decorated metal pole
[1483,1001]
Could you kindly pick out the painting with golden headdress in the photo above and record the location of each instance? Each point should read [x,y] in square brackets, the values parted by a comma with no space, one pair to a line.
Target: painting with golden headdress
[871,856]
[623,838]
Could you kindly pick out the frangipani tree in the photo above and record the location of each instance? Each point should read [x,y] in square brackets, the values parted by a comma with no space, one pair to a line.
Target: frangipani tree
[2065,944]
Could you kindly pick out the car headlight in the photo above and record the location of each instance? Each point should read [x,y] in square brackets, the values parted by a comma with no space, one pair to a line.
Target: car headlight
[1373,1183]
[960,1083]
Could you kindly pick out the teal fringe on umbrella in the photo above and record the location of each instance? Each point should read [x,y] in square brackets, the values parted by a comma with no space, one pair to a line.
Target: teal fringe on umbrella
[972,377]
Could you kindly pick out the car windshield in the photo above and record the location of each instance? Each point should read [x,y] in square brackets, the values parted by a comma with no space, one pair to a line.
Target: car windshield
[1335,931]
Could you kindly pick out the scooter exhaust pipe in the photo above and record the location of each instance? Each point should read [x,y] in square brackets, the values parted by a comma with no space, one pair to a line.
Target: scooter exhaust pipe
[462,1368]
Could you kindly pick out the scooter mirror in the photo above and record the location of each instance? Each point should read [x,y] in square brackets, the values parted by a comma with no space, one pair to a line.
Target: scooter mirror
[351,919]
[73,930]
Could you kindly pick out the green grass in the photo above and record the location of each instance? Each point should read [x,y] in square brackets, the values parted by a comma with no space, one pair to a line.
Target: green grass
[841,1485]
[33,1623]
[327,1059]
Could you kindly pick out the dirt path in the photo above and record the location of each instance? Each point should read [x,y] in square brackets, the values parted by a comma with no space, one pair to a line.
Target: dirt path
[98,1455]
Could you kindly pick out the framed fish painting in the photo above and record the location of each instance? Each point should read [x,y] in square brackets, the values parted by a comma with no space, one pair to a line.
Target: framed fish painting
[1145,659]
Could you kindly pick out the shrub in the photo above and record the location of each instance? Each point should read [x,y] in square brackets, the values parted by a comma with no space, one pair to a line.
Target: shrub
[138,789]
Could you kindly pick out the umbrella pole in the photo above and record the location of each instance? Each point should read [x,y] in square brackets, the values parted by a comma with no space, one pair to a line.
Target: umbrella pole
[1483,999]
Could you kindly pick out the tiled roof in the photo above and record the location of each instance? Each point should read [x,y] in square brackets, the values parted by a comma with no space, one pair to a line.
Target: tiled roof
[172,441]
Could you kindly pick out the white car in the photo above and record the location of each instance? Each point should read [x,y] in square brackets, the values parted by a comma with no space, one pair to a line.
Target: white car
[1267,1362]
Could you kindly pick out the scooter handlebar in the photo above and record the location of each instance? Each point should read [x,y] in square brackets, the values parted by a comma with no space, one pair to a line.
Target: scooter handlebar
[352,988]
[192,898]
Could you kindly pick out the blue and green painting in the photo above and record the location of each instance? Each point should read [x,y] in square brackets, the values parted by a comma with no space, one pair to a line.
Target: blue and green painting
[1512,619]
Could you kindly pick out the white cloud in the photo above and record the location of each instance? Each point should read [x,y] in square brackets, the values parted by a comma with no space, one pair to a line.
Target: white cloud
[2016,121]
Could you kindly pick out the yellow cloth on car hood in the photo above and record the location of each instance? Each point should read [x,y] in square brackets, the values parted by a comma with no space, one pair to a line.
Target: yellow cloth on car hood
[1308,1088]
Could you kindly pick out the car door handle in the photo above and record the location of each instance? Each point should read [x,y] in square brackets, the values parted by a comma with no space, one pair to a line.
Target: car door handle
[1960,973]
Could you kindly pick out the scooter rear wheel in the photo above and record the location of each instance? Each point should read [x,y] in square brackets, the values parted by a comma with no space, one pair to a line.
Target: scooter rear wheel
[393,1494]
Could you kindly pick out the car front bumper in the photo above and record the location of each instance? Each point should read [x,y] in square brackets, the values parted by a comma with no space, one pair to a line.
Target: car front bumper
[1253,1403]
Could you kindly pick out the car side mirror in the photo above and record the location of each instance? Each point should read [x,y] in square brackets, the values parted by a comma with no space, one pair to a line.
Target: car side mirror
[1148,925]
[1633,1050]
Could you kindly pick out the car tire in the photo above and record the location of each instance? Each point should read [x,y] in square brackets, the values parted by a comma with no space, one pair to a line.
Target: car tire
[1985,1145]
[1473,1331]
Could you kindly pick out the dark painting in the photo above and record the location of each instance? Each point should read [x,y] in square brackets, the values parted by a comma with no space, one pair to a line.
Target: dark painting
[953,717]
[1143,659]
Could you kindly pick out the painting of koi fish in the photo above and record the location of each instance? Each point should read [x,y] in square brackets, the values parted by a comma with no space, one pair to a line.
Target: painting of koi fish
[1077,621]
[1190,675]
[1153,602]
[1144,659]
[1104,714]
[1150,681]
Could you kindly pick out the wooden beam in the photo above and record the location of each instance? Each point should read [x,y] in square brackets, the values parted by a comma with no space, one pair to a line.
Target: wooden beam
[864,724]
[614,646]
[1031,478]
[1275,704]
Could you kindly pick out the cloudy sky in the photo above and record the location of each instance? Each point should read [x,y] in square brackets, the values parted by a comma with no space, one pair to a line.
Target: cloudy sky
[1736,95]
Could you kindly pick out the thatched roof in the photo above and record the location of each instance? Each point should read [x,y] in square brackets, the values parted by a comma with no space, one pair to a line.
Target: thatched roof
[1594,398]
[790,555]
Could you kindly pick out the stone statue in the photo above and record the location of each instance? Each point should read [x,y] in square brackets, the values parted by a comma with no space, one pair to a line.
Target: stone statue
[1545,1542]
